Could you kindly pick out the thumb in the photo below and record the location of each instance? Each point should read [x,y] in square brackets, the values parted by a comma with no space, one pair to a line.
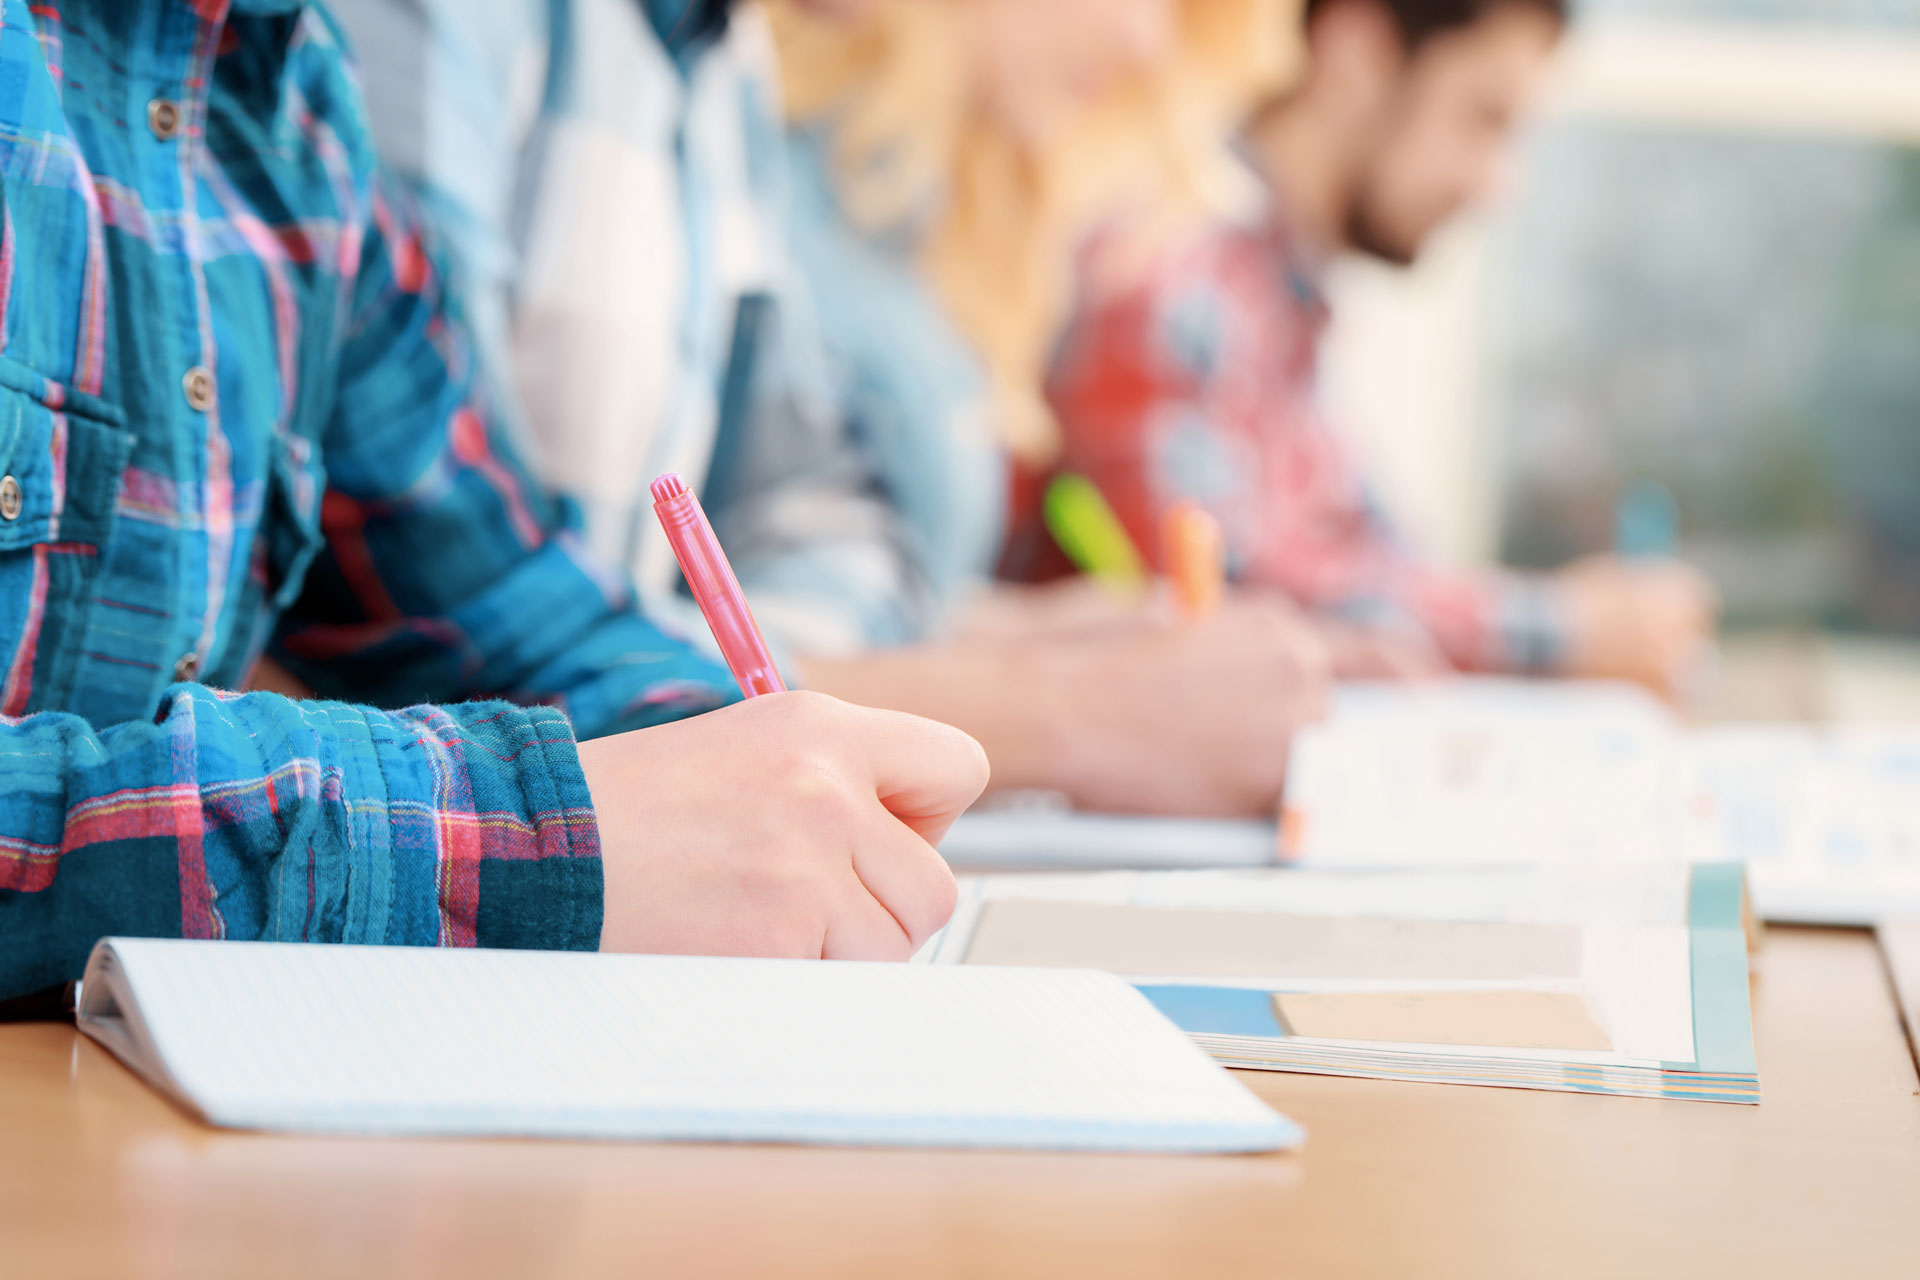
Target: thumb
[925,773]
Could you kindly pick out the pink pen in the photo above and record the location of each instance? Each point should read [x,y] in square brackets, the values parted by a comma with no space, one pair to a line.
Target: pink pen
[715,587]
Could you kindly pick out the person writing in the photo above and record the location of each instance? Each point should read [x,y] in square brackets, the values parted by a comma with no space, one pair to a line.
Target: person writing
[1196,382]
[856,486]
[241,413]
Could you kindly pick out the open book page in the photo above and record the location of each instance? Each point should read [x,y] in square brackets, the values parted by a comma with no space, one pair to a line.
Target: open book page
[1612,967]
[1616,935]
[1828,820]
[1429,788]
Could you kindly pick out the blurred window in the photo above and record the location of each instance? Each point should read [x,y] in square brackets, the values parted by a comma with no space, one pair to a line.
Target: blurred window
[1712,279]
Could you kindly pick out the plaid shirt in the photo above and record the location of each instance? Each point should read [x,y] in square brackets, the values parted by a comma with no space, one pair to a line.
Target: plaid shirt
[608,178]
[235,410]
[1199,385]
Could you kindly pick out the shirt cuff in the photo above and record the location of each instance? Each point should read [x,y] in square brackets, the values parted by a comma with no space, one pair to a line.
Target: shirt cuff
[540,883]
[1530,628]
[488,828]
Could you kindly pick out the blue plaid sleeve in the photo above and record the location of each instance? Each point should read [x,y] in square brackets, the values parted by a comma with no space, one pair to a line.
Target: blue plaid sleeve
[255,817]
[795,487]
[270,425]
[444,572]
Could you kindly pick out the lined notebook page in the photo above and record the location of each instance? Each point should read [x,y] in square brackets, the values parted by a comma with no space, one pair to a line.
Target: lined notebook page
[396,1040]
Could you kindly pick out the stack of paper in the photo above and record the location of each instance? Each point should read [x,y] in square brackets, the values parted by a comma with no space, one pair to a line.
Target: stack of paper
[389,1040]
[1625,979]
[1828,821]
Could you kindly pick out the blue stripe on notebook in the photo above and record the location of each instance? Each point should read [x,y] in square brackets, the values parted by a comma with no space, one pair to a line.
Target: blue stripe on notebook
[1218,1011]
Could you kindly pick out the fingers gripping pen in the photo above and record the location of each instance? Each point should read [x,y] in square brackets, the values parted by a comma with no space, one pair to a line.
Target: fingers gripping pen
[714,587]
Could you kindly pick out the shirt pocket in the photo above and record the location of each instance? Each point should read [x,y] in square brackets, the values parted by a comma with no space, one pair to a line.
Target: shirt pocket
[62,457]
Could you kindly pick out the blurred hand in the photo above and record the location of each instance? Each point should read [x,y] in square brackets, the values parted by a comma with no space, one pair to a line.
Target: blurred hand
[791,825]
[1192,718]
[1370,653]
[1649,622]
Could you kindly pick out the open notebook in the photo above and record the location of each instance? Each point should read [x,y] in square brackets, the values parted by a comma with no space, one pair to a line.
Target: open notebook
[1627,979]
[1826,820]
[385,1040]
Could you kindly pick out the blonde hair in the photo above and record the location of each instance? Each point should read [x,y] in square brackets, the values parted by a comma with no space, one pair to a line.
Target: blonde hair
[1005,224]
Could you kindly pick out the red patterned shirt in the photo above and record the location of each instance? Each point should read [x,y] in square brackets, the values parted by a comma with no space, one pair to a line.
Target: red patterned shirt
[1199,384]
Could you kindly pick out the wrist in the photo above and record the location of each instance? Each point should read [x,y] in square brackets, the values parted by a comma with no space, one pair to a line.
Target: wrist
[1034,733]
[611,788]
[1538,625]
[1063,692]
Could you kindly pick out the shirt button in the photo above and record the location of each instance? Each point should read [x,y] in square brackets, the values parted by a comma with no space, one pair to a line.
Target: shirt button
[198,385]
[164,117]
[187,668]
[10,498]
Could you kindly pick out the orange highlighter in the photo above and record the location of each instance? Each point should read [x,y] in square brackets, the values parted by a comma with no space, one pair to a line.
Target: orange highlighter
[714,587]
[1196,559]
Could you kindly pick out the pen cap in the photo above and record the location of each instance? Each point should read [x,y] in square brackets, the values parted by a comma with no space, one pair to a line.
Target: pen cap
[1646,522]
[1196,557]
[715,588]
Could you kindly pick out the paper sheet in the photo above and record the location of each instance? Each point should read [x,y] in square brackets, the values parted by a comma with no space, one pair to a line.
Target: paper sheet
[1494,1019]
[1253,944]
[1828,821]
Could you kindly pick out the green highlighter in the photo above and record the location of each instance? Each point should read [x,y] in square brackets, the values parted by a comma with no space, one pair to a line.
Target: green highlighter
[1086,528]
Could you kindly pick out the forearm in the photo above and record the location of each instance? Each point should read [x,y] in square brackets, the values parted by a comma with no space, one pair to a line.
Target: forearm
[1071,609]
[1015,703]
[253,817]
[1179,718]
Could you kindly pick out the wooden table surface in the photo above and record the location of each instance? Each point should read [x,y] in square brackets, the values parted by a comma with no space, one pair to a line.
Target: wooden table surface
[98,1177]
[1900,945]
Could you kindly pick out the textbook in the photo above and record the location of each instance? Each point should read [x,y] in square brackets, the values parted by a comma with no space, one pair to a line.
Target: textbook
[1626,979]
[382,1040]
[1827,820]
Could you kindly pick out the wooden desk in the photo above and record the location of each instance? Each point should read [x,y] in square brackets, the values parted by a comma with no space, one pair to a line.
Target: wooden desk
[1900,944]
[100,1178]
